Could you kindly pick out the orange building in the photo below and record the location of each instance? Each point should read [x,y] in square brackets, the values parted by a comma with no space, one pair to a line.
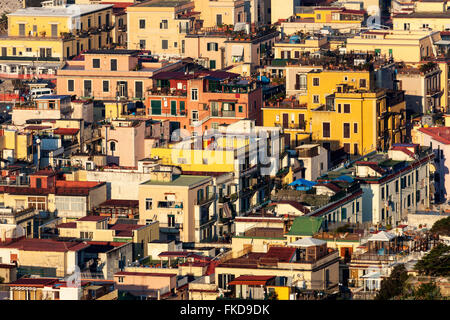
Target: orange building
[204,99]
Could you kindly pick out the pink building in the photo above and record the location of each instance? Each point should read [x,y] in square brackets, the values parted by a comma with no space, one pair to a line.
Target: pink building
[147,285]
[439,139]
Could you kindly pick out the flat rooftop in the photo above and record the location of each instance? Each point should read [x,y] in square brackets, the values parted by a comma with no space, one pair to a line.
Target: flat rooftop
[161,3]
[72,10]
[181,180]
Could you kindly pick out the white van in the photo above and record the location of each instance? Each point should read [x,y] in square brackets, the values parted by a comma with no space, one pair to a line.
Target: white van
[35,93]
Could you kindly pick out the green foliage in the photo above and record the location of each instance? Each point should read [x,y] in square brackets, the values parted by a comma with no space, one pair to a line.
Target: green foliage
[427,291]
[436,262]
[394,285]
[441,227]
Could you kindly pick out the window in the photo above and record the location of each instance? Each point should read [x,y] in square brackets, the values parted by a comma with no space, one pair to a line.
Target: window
[141,44]
[382,193]
[346,130]
[316,82]
[38,203]
[182,107]
[86,235]
[362,83]
[347,147]
[165,44]
[318,16]
[120,279]
[14,51]
[112,146]
[339,108]
[346,108]
[113,64]
[343,214]
[194,94]
[173,108]
[212,46]
[355,128]
[219,19]
[164,24]
[87,88]
[142,24]
[138,92]
[70,85]
[171,220]
[95,63]
[212,64]
[105,86]
[316,98]
[155,107]
[326,129]
[21,29]
[148,204]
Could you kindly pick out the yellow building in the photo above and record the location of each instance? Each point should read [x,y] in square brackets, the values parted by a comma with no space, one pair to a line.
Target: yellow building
[406,46]
[340,109]
[160,26]
[217,13]
[40,38]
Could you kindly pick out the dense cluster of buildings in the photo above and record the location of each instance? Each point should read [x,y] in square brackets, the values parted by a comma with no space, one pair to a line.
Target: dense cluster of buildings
[176,149]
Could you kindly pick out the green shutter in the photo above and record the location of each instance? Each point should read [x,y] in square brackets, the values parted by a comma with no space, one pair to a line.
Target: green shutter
[156,107]
[181,106]
[344,214]
[212,64]
[173,108]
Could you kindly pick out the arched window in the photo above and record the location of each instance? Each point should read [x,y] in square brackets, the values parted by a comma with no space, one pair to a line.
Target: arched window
[112,146]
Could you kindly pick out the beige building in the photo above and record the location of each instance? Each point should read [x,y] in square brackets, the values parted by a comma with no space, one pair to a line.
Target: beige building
[406,46]
[222,12]
[294,48]
[184,205]
[160,26]
[99,228]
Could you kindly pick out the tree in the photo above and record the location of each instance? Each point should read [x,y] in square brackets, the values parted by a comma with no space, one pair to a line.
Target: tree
[441,227]
[436,262]
[393,286]
[427,291]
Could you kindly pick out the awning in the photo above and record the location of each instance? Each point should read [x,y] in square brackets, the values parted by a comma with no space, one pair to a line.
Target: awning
[66,131]
[237,50]
[443,42]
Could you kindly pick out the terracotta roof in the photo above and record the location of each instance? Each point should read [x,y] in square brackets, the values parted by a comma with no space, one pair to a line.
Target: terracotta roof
[66,131]
[46,245]
[404,150]
[44,172]
[126,227]
[78,184]
[251,280]
[33,282]
[146,274]
[441,134]
[120,203]
[92,218]
[69,225]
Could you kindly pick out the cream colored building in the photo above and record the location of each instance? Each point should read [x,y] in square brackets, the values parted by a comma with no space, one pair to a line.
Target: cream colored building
[160,26]
[184,205]
[406,46]
[221,12]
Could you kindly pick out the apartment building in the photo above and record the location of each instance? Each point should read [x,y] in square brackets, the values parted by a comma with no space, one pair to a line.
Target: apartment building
[184,205]
[313,19]
[223,12]
[44,107]
[44,192]
[203,100]
[40,38]
[101,228]
[295,46]
[424,92]
[333,110]
[407,46]
[110,74]
[307,264]
[160,26]
[218,48]
[438,139]
[393,183]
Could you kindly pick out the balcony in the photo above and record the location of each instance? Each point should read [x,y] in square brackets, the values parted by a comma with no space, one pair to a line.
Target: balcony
[200,202]
[170,205]
[434,92]
[224,113]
